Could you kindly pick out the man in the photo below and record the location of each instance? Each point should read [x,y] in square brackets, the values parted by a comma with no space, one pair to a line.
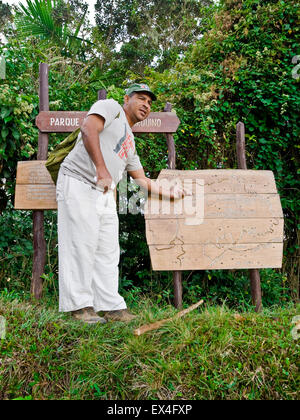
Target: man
[87,217]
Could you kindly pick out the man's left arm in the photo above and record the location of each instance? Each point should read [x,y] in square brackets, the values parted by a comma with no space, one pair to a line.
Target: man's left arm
[153,187]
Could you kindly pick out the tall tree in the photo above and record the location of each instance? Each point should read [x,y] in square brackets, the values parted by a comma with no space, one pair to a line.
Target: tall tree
[5,15]
[151,31]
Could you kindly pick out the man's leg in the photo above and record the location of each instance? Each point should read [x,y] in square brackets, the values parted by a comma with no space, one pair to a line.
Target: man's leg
[105,270]
[78,225]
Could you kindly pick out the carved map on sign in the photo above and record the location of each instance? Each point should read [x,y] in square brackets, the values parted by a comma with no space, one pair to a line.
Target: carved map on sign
[68,121]
[238,224]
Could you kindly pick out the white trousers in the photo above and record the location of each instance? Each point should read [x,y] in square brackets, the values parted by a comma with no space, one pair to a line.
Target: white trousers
[88,247]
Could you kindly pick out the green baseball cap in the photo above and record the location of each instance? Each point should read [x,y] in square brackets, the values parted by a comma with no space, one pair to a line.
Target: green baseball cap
[140,87]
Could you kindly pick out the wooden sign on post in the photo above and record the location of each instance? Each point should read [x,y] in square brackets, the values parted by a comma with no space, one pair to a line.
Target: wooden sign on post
[35,189]
[237,224]
[66,122]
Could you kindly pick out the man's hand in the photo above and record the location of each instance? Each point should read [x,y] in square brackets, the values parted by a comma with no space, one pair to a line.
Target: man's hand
[177,192]
[173,192]
[104,179]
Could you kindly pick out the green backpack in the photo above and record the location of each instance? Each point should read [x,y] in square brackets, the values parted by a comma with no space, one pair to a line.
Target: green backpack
[57,156]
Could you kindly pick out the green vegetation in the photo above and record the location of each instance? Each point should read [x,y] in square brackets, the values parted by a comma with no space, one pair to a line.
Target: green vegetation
[217,64]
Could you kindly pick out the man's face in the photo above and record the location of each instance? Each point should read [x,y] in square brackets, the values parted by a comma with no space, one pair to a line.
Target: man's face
[138,106]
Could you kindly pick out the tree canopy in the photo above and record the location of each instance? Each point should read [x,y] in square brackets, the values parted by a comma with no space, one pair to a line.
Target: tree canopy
[152,32]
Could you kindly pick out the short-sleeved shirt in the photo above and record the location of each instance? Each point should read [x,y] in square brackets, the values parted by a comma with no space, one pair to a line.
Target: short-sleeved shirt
[116,143]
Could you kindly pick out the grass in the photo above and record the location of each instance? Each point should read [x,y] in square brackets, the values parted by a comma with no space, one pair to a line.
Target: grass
[211,353]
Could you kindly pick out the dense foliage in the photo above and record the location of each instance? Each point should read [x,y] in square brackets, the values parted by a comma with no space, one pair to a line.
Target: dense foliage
[241,69]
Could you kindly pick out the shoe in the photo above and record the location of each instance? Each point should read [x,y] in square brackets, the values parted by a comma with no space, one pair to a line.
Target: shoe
[88,315]
[121,315]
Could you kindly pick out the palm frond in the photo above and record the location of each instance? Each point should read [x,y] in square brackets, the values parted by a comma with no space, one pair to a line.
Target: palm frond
[35,18]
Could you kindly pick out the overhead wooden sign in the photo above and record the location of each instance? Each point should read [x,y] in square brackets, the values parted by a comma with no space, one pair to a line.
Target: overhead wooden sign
[232,220]
[68,121]
[158,122]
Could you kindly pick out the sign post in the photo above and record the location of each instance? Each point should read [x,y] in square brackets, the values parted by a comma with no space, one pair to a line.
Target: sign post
[39,243]
[177,276]
[242,164]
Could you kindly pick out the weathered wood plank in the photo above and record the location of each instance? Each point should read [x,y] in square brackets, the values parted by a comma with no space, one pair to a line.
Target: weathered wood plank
[216,256]
[33,172]
[68,121]
[35,189]
[35,197]
[227,181]
[158,122]
[217,231]
[225,206]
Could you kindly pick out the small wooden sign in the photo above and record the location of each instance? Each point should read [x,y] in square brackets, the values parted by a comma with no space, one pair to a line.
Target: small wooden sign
[235,221]
[35,189]
[35,197]
[68,121]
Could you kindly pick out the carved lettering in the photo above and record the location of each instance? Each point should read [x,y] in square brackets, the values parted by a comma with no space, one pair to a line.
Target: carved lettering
[150,122]
[40,192]
[64,122]
[40,174]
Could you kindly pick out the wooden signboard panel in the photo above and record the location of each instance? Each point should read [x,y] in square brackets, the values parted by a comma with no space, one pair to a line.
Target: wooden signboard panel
[237,222]
[229,206]
[35,197]
[225,181]
[216,256]
[33,172]
[68,121]
[218,231]
[35,189]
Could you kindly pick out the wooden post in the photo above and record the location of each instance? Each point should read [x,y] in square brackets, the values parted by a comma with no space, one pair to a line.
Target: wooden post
[101,94]
[242,164]
[39,243]
[177,277]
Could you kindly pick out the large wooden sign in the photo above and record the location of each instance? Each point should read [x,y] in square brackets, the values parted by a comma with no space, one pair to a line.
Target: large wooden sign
[232,220]
[68,121]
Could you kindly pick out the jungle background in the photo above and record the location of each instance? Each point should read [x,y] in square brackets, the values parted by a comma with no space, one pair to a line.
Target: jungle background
[218,63]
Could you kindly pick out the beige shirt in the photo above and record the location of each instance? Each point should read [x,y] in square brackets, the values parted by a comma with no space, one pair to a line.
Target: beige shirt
[116,143]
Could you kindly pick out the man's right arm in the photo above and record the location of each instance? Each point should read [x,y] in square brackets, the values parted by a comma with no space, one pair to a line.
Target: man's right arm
[91,128]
